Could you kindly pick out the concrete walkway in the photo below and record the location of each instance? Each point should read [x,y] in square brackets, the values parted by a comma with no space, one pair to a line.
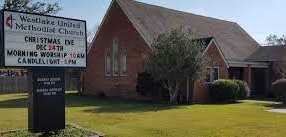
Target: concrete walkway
[280,110]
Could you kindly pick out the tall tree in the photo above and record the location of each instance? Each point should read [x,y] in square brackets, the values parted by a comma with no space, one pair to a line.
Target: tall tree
[91,33]
[274,40]
[176,58]
[34,6]
[279,69]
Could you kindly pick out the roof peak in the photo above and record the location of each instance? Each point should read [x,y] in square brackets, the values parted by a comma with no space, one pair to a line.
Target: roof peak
[151,20]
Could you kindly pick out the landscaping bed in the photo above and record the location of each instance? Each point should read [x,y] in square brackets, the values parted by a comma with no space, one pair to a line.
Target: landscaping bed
[70,131]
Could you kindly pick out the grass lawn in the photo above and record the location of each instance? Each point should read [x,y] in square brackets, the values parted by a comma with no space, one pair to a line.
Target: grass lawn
[117,118]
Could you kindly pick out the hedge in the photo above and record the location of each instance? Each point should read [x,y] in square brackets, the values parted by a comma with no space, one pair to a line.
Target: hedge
[243,89]
[227,90]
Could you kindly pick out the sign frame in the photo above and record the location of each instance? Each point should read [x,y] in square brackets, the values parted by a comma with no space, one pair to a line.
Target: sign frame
[2,44]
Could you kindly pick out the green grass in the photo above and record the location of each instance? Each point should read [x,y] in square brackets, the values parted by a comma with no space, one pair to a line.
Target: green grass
[117,118]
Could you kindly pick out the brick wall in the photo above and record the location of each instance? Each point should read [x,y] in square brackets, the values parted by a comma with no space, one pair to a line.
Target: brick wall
[215,60]
[116,25]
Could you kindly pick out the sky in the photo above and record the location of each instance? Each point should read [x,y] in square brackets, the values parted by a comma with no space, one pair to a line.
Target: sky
[258,17]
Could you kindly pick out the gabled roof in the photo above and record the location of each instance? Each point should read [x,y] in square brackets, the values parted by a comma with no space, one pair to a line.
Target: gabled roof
[150,21]
[269,53]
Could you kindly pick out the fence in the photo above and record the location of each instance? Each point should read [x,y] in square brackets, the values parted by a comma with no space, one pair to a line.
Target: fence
[13,84]
[20,83]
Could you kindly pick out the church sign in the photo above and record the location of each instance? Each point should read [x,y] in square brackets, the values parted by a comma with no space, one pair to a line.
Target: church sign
[46,46]
[36,40]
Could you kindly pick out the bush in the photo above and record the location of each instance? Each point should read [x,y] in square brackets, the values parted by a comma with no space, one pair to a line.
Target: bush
[228,90]
[147,86]
[279,90]
[101,94]
[224,91]
[243,89]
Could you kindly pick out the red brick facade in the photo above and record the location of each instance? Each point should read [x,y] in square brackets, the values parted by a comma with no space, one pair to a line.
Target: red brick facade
[215,60]
[116,26]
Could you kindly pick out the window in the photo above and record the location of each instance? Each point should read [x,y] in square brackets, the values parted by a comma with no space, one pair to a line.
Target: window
[107,63]
[116,60]
[123,65]
[115,57]
[212,74]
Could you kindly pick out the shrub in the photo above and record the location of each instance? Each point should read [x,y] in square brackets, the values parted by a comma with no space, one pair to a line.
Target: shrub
[147,86]
[279,90]
[243,89]
[101,94]
[223,91]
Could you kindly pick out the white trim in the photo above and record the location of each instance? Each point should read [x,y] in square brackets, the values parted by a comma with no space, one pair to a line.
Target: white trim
[220,52]
[211,69]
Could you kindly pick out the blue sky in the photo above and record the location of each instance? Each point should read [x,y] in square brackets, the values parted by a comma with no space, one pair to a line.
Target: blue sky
[258,17]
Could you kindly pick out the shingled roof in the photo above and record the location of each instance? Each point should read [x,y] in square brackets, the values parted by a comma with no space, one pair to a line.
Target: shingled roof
[269,53]
[151,20]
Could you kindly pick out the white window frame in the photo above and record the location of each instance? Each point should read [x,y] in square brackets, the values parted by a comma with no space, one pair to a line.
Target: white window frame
[211,74]
[115,57]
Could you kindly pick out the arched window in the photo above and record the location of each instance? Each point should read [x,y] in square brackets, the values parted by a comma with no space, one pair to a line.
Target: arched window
[107,63]
[115,57]
[123,64]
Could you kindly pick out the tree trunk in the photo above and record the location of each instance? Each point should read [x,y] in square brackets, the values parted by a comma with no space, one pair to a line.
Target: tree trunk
[173,91]
[192,82]
[188,91]
[174,99]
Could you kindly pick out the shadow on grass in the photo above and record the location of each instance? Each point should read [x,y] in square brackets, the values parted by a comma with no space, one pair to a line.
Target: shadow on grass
[14,103]
[276,106]
[97,105]
[219,103]
[125,108]
[108,105]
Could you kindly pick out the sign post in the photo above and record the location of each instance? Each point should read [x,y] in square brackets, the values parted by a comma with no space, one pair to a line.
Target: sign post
[47,101]
[46,45]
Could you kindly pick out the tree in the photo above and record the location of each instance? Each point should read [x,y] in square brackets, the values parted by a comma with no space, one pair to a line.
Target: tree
[41,7]
[274,40]
[91,33]
[176,58]
[279,69]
